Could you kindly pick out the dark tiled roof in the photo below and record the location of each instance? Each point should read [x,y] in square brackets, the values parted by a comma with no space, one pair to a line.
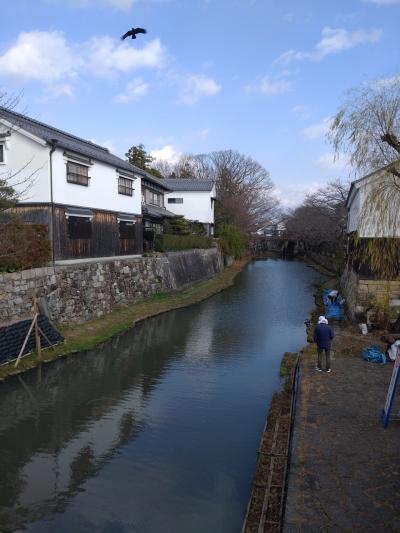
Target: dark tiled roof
[161,182]
[189,185]
[66,140]
[157,212]
[12,338]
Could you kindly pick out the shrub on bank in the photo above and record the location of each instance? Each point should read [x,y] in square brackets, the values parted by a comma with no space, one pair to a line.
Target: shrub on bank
[23,246]
[173,243]
[233,240]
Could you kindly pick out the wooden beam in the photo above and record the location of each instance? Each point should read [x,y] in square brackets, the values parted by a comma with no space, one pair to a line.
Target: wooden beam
[26,340]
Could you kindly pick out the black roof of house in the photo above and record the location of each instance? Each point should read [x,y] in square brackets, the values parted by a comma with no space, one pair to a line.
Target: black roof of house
[154,211]
[66,140]
[189,185]
[158,181]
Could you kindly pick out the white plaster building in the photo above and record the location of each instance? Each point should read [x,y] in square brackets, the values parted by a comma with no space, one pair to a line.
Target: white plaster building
[193,199]
[89,198]
[366,222]
[360,284]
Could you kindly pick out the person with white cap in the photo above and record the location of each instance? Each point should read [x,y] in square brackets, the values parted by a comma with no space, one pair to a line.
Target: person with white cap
[323,336]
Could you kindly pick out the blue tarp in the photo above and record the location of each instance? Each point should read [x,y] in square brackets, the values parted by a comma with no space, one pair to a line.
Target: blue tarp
[373,354]
[334,310]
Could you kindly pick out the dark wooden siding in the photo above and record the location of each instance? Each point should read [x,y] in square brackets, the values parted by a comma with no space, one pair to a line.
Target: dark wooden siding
[38,214]
[104,242]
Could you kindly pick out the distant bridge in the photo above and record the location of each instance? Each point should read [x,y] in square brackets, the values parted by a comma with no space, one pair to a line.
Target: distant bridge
[285,244]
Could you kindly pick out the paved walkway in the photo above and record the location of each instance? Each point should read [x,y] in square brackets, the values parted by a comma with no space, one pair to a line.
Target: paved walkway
[345,468]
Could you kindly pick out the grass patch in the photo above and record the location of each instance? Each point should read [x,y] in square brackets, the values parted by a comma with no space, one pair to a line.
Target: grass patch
[86,336]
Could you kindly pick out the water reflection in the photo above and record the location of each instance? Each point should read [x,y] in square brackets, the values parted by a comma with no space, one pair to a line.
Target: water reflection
[158,429]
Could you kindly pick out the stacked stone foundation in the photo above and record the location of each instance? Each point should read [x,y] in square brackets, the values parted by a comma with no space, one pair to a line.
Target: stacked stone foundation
[359,292]
[74,293]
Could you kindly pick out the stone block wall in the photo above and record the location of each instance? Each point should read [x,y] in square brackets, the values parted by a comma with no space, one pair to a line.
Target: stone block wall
[330,262]
[81,291]
[359,292]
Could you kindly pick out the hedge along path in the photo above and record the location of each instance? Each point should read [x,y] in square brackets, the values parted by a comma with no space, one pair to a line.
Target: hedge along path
[23,246]
[88,335]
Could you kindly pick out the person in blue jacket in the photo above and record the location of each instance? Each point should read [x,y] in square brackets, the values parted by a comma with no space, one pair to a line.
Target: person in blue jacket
[323,336]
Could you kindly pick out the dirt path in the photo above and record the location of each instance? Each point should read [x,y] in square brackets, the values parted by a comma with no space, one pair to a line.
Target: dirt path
[345,468]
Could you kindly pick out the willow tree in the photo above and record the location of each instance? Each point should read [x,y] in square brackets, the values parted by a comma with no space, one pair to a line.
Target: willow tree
[367,129]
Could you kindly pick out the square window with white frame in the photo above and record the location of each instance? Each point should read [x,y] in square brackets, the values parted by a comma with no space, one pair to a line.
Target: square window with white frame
[2,153]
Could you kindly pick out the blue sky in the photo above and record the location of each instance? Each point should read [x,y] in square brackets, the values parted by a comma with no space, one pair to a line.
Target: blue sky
[260,76]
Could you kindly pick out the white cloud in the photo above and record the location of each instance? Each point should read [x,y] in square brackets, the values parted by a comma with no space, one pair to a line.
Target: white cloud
[167,153]
[40,56]
[383,2]
[291,196]
[288,17]
[48,58]
[57,90]
[107,56]
[333,40]
[331,162]
[319,130]
[301,111]
[196,87]
[134,90]
[203,134]
[121,4]
[110,147]
[386,82]
[268,86]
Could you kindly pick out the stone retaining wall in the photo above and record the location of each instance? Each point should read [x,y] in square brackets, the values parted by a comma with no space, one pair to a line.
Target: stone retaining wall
[359,292]
[330,262]
[78,292]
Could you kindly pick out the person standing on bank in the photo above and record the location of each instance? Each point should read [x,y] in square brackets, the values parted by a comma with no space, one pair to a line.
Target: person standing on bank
[323,335]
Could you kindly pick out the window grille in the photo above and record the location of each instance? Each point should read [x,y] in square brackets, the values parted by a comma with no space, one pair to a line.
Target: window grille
[175,200]
[125,186]
[77,174]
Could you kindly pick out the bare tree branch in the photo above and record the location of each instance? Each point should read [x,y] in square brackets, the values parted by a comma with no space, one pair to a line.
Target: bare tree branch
[244,188]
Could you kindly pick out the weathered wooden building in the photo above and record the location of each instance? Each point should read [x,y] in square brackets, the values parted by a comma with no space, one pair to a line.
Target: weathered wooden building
[89,198]
[153,208]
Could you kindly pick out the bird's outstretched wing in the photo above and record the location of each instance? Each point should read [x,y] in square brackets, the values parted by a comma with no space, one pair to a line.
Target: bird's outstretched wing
[140,30]
[127,34]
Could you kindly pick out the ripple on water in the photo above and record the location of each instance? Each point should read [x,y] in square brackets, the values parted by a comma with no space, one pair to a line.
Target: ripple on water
[158,429]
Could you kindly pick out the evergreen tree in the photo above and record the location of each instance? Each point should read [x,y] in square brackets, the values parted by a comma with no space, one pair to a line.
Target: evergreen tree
[138,156]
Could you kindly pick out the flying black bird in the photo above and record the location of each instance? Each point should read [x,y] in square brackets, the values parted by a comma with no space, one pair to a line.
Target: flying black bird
[133,32]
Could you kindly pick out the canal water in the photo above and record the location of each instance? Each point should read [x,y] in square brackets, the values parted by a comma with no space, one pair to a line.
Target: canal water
[157,430]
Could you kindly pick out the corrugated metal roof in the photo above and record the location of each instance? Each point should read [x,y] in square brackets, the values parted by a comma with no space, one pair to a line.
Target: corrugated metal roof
[189,185]
[66,140]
